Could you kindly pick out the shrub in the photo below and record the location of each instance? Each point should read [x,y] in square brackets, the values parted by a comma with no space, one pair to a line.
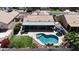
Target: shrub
[17,28]
[21,42]
[73,39]
[17,19]
[5,43]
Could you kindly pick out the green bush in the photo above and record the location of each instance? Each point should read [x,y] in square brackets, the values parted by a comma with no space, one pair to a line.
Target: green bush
[73,39]
[21,42]
[55,10]
[17,28]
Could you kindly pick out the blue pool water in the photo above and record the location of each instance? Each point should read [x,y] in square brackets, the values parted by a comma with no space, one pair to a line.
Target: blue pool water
[47,38]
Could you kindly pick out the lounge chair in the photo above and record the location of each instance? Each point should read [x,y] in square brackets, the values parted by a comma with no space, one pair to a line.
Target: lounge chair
[59,33]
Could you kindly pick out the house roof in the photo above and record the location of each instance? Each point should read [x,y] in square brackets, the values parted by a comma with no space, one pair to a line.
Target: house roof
[38,18]
[72,20]
[6,17]
[42,19]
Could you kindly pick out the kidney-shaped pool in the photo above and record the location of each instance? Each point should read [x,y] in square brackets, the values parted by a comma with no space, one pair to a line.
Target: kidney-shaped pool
[47,38]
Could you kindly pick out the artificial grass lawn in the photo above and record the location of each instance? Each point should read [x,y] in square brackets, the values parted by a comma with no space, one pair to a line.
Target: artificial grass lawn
[22,42]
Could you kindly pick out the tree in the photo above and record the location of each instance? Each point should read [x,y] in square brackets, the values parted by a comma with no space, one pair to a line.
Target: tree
[73,39]
[71,36]
[15,7]
[73,9]
[17,28]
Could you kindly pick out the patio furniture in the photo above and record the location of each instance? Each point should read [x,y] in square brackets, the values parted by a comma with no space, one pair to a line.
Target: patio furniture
[59,33]
[62,30]
[49,44]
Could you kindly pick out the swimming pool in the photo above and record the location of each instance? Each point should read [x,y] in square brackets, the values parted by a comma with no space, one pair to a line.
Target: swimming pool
[47,38]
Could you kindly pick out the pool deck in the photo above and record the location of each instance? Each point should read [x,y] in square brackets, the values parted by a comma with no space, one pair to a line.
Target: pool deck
[33,35]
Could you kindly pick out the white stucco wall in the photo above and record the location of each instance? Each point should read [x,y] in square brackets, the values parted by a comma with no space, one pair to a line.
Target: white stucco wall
[8,33]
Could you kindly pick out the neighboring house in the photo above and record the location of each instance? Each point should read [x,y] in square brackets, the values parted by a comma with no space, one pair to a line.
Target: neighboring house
[22,10]
[7,22]
[7,19]
[70,22]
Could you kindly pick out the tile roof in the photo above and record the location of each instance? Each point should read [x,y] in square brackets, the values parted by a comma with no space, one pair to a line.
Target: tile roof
[38,18]
[72,20]
[6,17]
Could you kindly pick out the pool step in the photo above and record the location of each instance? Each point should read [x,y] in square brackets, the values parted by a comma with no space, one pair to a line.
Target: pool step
[38,35]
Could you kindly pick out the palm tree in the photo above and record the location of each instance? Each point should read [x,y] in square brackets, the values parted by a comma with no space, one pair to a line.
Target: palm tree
[73,39]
